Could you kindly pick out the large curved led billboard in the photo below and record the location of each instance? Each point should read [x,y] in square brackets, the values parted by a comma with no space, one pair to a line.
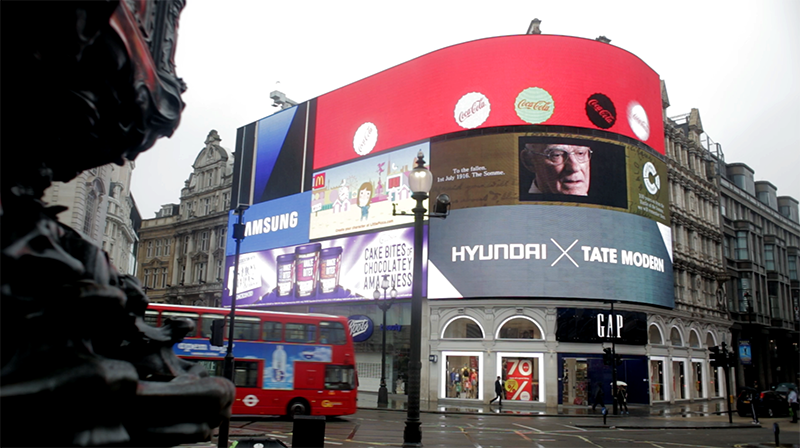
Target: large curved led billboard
[550,148]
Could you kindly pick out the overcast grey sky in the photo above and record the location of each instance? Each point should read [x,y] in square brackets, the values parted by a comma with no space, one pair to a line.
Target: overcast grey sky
[738,62]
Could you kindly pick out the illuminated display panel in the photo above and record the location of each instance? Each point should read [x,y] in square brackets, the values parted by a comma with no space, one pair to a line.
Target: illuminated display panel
[343,269]
[550,251]
[358,196]
[502,81]
[487,121]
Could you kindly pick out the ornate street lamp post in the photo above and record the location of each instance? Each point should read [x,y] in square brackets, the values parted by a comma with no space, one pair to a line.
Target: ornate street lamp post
[420,183]
[384,305]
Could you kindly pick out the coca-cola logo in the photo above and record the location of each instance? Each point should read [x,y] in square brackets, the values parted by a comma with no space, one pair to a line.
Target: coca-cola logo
[361,327]
[637,119]
[365,139]
[472,110]
[601,111]
[534,105]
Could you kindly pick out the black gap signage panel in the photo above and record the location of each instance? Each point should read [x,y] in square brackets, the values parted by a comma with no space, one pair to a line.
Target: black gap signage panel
[593,325]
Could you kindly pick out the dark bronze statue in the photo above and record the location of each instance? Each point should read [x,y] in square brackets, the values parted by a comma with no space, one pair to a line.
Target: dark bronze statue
[85,84]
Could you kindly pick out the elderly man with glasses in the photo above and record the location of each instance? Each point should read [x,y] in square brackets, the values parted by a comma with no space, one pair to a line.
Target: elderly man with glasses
[559,168]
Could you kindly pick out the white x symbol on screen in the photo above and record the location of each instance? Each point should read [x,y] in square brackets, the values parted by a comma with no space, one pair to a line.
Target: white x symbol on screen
[564,253]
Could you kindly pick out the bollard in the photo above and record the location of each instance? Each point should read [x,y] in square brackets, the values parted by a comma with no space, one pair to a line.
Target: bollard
[777,430]
[605,414]
[308,431]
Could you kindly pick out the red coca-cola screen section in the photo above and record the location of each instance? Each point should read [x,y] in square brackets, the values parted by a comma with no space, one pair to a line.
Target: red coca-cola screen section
[416,100]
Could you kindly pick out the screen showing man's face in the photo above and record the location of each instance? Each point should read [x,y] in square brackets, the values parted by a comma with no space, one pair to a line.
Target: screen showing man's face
[562,169]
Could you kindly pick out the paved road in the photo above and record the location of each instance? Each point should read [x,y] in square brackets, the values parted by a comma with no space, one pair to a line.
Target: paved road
[384,428]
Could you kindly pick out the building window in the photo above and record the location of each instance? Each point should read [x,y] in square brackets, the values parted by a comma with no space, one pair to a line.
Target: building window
[763,197]
[206,206]
[225,203]
[209,178]
[769,257]
[654,336]
[149,249]
[183,274]
[91,203]
[199,272]
[741,245]
[786,211]
[146,278]
[519,328]
[204,241]
[219,270]
[738,180]
[167,243]
[792,267]
[186,244]
[675,338]
[462,328]
[158,248]
[222,235]
[163,277]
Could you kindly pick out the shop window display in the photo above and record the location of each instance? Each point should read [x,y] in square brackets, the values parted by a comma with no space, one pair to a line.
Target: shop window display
[463,377]
[678,380]
[575,382]
[697,380]
[521,378]
[657,380]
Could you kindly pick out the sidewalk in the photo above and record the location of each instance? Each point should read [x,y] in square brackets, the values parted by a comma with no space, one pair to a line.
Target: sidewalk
[699,415]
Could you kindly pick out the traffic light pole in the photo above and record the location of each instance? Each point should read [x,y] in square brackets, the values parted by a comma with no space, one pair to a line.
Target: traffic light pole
[615,408]
[728,396]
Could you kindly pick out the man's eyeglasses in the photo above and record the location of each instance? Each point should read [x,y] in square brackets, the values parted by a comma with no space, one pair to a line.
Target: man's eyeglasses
[558,156]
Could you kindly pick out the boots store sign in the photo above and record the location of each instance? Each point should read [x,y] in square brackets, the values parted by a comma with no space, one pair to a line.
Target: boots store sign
[592,325]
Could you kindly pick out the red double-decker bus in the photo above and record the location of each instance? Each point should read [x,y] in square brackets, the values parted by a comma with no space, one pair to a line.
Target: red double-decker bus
[285,363]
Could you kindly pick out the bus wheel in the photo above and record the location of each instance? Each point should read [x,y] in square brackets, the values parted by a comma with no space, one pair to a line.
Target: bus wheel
[298,407]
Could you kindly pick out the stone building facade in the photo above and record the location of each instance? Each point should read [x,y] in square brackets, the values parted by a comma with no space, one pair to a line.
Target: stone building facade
[101,207]
[182,250]
[761,248]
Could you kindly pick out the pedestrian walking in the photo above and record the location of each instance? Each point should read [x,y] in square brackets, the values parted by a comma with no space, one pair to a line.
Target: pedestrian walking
[498,389]
[622,399]
[599,397]
[792,399]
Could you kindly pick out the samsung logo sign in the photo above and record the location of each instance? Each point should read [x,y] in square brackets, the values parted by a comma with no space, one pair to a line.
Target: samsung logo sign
[271,224]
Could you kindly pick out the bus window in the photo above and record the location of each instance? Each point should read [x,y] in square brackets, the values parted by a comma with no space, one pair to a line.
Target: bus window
[151,317]
[245,372]
[331,333]
[205,324]
[181,315]
[271,331]
[340,377]
[301,332]
[246,328]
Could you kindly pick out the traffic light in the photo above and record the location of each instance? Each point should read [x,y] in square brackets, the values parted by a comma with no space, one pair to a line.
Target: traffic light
[217,330]
[607,356]
[717,357]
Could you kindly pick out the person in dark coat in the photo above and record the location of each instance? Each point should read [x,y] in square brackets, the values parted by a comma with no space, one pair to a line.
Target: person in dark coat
[622,399]
[498,389]
[599,397]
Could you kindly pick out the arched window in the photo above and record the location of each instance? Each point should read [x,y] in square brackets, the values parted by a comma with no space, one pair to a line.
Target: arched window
[675,337]
[694,341]
[88,219]
[519,327]
[655,335]
[462,328]
[710,342]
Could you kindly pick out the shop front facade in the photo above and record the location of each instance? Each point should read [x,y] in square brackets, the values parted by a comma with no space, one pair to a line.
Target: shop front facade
[543,366]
